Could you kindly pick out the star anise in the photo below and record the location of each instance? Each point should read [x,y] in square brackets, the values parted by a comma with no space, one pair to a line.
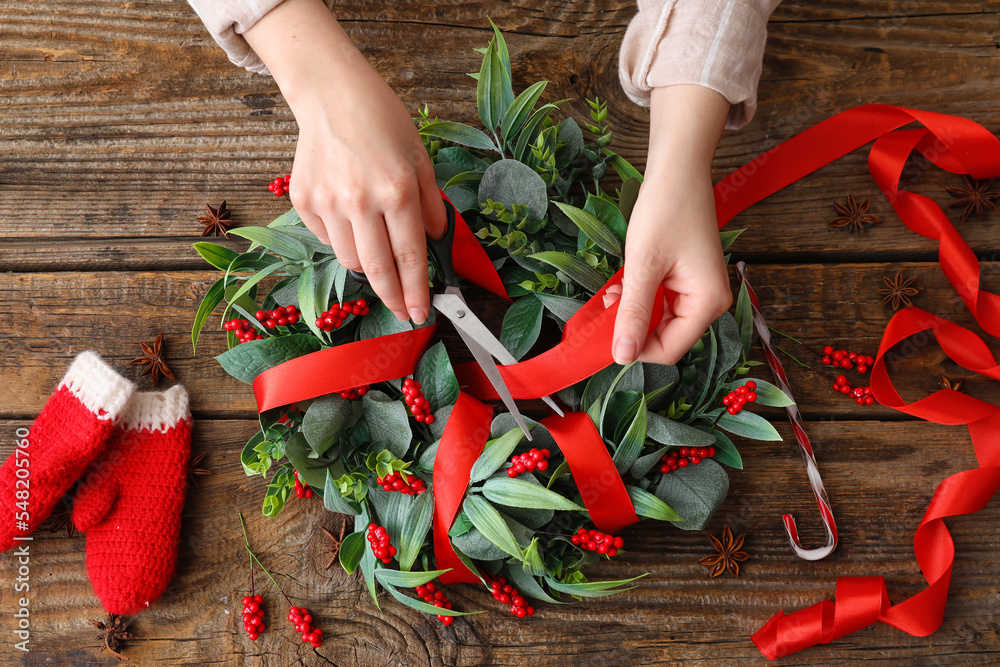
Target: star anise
[727,554]
[975,197]
[153,357]
[898,290]
[950,384]
[62,517]
[195,470]
[114,630]
[854,215]
[217,221]
[334,548]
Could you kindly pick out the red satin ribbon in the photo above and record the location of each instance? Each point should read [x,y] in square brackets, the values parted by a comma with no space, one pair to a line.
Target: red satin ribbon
[600,485]
[960,146]
[470,259]
[461,444]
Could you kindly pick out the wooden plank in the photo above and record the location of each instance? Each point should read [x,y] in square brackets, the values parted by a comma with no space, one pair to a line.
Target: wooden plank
[99,146]
[54,316]
[675,614]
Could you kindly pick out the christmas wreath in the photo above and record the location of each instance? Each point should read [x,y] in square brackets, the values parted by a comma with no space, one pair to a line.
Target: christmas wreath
[439,488]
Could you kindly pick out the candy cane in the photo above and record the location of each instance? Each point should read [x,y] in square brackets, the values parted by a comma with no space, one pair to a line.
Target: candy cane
[798,428]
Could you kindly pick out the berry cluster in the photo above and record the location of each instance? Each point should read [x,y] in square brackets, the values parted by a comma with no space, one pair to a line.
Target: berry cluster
[379,539]
[394,481]
[354,392]
[419,407]
[302,490]
[279,317]
[534,459]
[253,616]
[302,620]
[430,594]
[242,329]
[683,457]
[334,318]
[847,360]
[861,395]
[592,540]
[279,185]
[507,594]
[736,400]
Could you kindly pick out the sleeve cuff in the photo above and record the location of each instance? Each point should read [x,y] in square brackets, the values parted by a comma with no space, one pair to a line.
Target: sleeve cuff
[98,386]
[157,410]
[718,44]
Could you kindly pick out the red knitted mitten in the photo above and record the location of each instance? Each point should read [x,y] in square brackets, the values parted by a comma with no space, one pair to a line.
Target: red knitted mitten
[129,503]
[72,430]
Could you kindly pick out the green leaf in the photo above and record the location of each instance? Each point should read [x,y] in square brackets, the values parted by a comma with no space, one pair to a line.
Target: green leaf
[352,548]
[289,218]
[590,225]
[491,524]
[521,326]
[459,133]
[622,166]
[415,527]
[768,394]
[419,605]
[528,585]
[631,445]
[531,128]
[388,577]
[745,424]
[249,454]
[437,377]
[563,307]
[518,493]
[251,282]
[494,91]
[651,507]
[325,420]
[475,545]
[276,241]
[519,111]
[333,500]
[669,432]
[608,213]
[533,563]
[744,318]
[729,236]
[248,360]
[695,492]
[646,462]
[574,267]
[307,299]
[308,239]
[571,136]
[511,182]
[629,196]
[726,452]
[388,422]
[730,346]
[462,159]
[312,471]
[218,256]
[213,297]
[495,454]
[469,179]
[592,589]
[326,278]
[501,47]
[368,559]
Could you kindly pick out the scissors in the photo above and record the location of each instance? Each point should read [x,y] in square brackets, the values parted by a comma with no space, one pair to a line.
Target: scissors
[481,342]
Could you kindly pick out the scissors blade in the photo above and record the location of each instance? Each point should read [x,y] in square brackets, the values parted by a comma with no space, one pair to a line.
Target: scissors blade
[452,304]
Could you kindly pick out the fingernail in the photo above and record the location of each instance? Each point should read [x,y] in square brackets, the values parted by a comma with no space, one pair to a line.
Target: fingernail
[418,315]
[401,315]
[625,351]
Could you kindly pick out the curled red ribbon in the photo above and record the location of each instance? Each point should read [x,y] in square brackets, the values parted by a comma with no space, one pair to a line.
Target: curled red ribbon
[960,146]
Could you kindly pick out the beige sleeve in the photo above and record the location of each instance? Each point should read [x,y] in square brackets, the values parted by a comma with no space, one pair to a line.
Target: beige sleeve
[227,20]
[718,44]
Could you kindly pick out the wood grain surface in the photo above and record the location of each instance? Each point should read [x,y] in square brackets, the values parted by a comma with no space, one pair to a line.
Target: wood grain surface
[120,120]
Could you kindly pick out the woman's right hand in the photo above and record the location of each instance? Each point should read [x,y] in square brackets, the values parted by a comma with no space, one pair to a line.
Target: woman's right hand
[361,180]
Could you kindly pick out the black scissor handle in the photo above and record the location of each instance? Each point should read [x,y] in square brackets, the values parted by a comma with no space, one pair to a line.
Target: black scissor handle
[440,252]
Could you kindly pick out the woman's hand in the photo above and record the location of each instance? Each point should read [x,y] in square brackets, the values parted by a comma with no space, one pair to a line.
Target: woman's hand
[673,237]
[361,180]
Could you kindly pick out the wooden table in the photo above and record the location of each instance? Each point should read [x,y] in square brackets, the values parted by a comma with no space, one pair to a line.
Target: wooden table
[118,121]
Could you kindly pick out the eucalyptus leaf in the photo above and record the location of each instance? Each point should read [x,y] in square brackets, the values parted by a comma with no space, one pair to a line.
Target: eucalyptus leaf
[563,307]
[730,345]
[528,585]
[388,422]
[669,432]
[744,318]
[770,395]
[512,182]
[522,325]
[325,420]
[745,424]
[630,447]
[475,545]
[646,462]
[333,500]
[694,492]
[437,377]
[571,136]
[248,360]
[462,158]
